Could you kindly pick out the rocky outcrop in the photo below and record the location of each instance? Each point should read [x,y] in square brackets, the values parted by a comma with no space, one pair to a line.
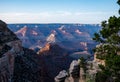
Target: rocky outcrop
[9,47]
[27,67]
[61,76]
[72,75]
[5,34]
[17,64]
[79,73]
[52,49]
[74,69]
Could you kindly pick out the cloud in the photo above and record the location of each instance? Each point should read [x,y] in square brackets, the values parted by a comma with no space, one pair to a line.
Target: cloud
[55,17]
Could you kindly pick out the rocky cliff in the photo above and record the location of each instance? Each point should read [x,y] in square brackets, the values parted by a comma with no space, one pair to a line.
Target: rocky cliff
[79,71]
[27,67]
[9,48]
[17,64]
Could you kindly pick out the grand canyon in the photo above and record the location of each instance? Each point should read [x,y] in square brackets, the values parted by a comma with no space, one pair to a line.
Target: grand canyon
[38,52]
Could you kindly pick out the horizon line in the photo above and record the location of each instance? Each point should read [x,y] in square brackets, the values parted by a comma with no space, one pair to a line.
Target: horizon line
[56,23]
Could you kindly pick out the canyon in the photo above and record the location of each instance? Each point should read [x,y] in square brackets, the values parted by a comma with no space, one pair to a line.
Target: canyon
[38,52]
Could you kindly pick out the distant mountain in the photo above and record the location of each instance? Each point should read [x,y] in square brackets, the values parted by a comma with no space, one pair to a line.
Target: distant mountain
[70,36]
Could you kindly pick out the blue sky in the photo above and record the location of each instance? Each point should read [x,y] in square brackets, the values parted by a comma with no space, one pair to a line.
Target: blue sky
[57,11]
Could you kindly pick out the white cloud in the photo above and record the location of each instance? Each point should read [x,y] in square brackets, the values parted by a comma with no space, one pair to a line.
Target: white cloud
[55,17]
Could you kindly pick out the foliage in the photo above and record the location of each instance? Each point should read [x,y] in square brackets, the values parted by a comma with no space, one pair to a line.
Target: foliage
[109,38]
[118,4]
[101,77]
[83,64]
[90,78]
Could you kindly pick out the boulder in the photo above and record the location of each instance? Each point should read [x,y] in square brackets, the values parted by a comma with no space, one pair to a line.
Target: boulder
[61,76]
[74,69]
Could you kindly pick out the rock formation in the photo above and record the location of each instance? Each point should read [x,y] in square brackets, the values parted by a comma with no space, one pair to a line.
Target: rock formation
[44,49]
[54,59]
[10,47]
[74,69]
[51,49]
[27,67]
[17,64]
[61,76]
[78,73]
[73,73]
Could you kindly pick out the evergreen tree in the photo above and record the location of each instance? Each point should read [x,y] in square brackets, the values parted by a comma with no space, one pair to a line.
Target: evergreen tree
[109,49]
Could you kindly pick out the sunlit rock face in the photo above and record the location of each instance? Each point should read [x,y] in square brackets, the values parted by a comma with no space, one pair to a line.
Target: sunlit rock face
[51,38]
[52,49]
[22,31]
[45,49]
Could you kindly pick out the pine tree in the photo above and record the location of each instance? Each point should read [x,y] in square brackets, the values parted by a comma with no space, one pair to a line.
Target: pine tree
[109,49]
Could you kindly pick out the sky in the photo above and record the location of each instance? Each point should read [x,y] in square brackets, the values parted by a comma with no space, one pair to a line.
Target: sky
[57,11]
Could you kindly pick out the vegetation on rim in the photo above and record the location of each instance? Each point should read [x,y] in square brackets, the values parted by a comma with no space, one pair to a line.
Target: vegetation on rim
[108,50]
